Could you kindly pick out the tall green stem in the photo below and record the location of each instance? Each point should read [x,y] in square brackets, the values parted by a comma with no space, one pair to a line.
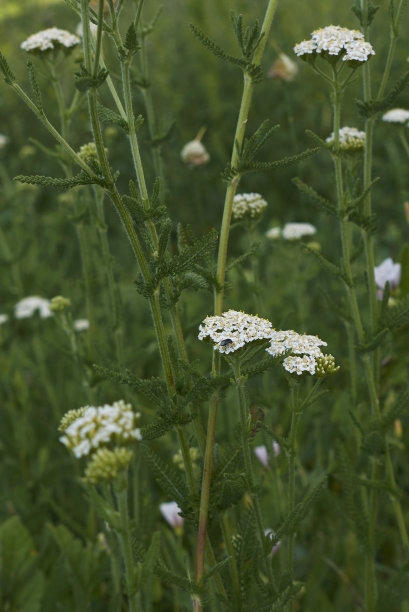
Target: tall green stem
[295,418]
[237,143]
[125,540]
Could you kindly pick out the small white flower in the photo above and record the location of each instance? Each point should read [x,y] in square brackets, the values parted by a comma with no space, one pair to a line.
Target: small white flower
[3,140]
[396,115]
[26,307]
[295,231]
[171,513]
[194,153]
[302,353]
[306,47]
[388,271]
[273,233]
[248,206]
[81,325]
[49,39]
[276,449]
[4,318]
[261,454]
[350,139]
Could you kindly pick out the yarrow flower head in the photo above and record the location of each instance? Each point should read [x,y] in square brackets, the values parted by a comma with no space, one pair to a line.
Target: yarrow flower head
[334,42]
[248,206]
[388,272]
[283,69]
[295,231]
[91,428]
[396,115]
[234,329]
[303,353]
[25,308]
[49,40]
[81,325]
[350,139]
[273,233]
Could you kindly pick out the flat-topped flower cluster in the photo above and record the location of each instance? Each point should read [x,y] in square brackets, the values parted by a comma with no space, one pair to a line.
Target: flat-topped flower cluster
[234,329]
[248,206]
[301,353]
[396,115]
[350,139]
[47,40]
[336,41]
[90,428]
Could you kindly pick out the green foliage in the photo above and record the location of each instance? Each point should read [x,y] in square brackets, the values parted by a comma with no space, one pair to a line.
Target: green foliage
[84,80]
[35,86]
[22,582]
[167,477]
[82,178]
[5,69]
[373,107]
[247,66]
[107,115]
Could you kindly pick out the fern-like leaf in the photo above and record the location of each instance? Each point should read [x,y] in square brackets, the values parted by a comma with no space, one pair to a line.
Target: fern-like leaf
[63,183]
[373,107]
[6,71]
[34,86]
[167,476]
[315,197]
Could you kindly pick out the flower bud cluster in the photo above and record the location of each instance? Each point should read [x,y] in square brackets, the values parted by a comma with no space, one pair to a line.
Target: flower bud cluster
[233,330]
[52,38]
[106,464]
[335,42]
[90,428]
[248,206]
[350,139]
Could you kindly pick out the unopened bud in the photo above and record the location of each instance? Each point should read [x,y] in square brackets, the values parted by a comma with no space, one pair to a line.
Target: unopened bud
[194,152]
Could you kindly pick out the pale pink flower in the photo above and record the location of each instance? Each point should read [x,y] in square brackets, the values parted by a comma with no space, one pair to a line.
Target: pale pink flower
[171,513]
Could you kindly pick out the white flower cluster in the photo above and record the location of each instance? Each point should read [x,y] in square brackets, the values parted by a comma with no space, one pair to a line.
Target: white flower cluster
[305,351]
[350,139]
[388,272]
[96,427]
[336,41]
[248,206]
[52,38]
[26,307]
[234,329]
[295,231]
[81,325]
[291,231]
[396,115]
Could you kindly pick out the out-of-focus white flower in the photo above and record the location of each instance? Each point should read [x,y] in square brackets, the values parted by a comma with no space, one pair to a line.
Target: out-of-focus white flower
[4,318]
[234,329]
[276,449]
[3,140]
[295,231]
[26,307]
[93,427]
[273,233]
[92,26]
[283,69]
[276,547]
[261,454]
[336,41]
[396,115]
[194,153]
[350,139]
[248,206]
[170,512]
[47,40]
[81,325]
[388,271]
